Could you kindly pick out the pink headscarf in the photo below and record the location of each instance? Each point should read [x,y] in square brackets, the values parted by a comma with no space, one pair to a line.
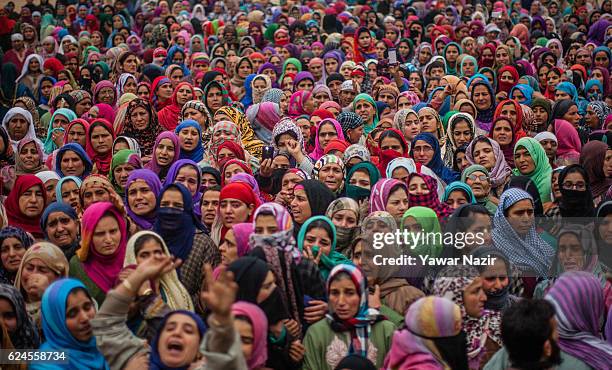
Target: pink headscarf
[569,141]
[296,103]
[259,323]
[381,191]
[318,152]
[330,104]
[102,270]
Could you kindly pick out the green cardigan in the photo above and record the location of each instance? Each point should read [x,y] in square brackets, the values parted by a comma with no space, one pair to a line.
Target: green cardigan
[325,348]
[77,272]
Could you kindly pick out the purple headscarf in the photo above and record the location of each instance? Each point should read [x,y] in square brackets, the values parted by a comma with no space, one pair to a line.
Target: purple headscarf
[597,31]
[153,165]
[149,177]
[249,180]
[173,172]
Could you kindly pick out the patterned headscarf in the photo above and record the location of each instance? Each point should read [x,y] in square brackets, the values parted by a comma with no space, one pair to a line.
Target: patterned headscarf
[25,335]
[247,136]
[324,161]
[145,138]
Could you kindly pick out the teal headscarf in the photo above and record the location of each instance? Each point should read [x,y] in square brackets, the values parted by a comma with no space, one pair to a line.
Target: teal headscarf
[334,258]
[367,128]
[357,192]
[542,174]
[49,146]
[458,185]
[449,69]
[58,186]
[467,57]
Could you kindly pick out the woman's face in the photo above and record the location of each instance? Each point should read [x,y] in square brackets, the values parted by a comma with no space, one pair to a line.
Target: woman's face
[572,116]
[484,155]
[121,173]
[106,95]
[165,152]
[502,58]
[344,298]
[521,217]
[101,140]
[423,152]
[456,199]
[143,92]
[327,132]
[214,98]
[232,170]
[552,80]
[245,330]
[188,176]
[428,122]
[602,60]
[8,315]
[469,68]
[480,184]
[80,310]
[361,179]
[540,115]
[141,198]
[234,211]
[332,176]
[29,156]
[605,229]
[412,126]
[474,298]
[229,248]
[32,201]
[462,133]
[495,277]
[418,186]
[95,195]
[244,69]
[179,341]
[165,90]
[365,110]
[397,203]
[502,133]
[196,115]
[265,224]
[106,236]
[331,65]
[11,254]
[345,218]
[392,143]
[140,117]
[318,237]
[189,138]
[300,206]
[570,253]
[70,194]
[482,97]
[452,53]
[175,77]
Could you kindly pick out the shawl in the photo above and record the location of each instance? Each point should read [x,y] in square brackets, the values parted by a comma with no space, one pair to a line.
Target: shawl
[297,103]
[176,296]
[103,270]
[177,226]
[450,283]
[287,126]
[451,145]
[329,261]
[175,169]
[50,255]
[458,185]
[367,128]
[430,200]
[228,129]
[25,335]
[101,161]
[579,308]
[80,355]
[484,118]
[197,154]
[436,164]
[49,144]
[542,173]
[501,170]
[77,149]
[246,134]
[11,205]
[97,181]
[152,181]
[144,137]
[381,192]
[428,220]
[357,192]
[530,254]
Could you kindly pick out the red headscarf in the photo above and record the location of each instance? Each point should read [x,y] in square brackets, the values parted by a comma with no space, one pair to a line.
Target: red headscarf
[240,163]
[242,192]
[11,204]
[169,115]
[102,161]
[323,114]
[78,121]
[518,126]
[503,85]
[234,148]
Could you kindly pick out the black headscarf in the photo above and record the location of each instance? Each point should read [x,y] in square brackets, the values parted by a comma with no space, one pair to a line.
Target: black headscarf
[249,273]
[576,203]
[355,362]
[214,172]
[560,109]
[319,196]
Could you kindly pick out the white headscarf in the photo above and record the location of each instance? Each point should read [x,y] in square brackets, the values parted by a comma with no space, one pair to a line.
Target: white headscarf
[12,113]
[26,65]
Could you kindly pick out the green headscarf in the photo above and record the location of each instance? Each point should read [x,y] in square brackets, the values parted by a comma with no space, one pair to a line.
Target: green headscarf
[357,192]
[468,57]
[105,69]
[121,157]
[363,96]
[49,145]
[293,61]
[449,70]
[542,174]
[486,202]
[334,258]
[447,117]
[269,33]
[428,219]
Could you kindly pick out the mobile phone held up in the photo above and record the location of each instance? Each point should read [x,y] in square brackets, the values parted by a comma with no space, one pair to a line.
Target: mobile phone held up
[267,152]
[392,56]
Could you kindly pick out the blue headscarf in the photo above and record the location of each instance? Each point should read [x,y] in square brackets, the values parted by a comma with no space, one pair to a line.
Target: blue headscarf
[58,188]
[436,164]
[177,227]
[41,99]
[476,76]
[458,185]
[527,92]
[593,97]
[197,154]
[168,62]
[247,100]
[78,149]
[81,355]
[155,362]
[570,89]
[49,145]
[58,206]
[484,118]
[445,107]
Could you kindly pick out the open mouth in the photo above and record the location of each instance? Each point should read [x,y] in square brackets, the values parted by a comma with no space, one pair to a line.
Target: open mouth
[141,205]
[175,347]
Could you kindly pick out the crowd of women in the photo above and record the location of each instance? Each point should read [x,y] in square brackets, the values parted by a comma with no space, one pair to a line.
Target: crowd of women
[193,184]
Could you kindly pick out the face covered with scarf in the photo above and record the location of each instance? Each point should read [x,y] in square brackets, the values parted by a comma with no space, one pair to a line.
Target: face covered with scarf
[344,213]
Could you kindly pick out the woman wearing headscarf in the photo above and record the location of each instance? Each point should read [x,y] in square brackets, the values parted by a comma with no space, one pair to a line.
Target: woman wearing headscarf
[141,192]
[190,149]
[428,196]
[579,305]
[100,138]
[345,215]
[263,118]
[432,337]
[15,242]
[356,186]
[389,195]
[79,346]
[141,124]
[51,263]
[520,242]
[478,179]
[501,276]
[323,135]
[168,285]
[25,204]
[28,160]
[56,131]
[60,225]
[487,153]
[311,199]
[569,145]
[246,134]
[25,334]
[356,329]
[169,115]
[484,98]
[80,167]
[461,130]
[531,161]
[463,285]
[425,149]
[123,163]
[250,314]
[366,109]
[184,234]
[166,151]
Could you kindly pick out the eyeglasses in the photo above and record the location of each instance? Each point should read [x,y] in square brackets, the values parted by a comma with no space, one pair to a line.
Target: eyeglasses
[571,186]
[475,177]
